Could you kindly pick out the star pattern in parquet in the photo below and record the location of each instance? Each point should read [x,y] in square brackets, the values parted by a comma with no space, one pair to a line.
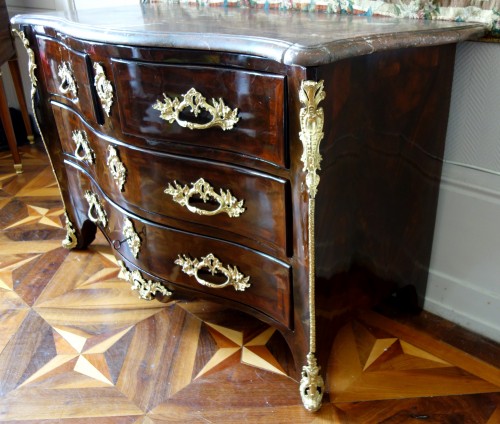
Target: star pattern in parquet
[78,346]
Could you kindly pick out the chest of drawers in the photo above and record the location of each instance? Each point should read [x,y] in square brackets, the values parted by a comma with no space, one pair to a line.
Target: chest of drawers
[195,139]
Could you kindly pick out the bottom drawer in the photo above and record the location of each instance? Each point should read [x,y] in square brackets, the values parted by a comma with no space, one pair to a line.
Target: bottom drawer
[205,264]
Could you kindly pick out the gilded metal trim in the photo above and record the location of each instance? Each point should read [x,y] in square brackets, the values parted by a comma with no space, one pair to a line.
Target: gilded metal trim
[146,289]
[96,212]
[116,167]
[31,60]
[311,384]
[222,115]
[71,240]
[103,87]
[311,134]
[234,278]
[311,131]
[133,239]
[227,202]
[83,151]
[68,82]
[34,84]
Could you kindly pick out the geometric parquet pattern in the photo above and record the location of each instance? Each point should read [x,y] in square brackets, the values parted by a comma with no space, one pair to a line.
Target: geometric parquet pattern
[78,346]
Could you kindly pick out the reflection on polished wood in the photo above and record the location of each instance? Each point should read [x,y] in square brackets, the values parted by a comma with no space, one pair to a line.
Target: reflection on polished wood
[77,345]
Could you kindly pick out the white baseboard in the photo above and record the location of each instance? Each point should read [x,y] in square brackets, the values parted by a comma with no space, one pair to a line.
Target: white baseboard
[464,276]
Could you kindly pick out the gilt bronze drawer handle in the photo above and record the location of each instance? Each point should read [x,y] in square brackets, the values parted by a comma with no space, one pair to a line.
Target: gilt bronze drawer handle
[234,278]
[116,167]
[68,83]
[96,212]
[83,151]
[147,289]
[222,115]
[103,87]
[203,190]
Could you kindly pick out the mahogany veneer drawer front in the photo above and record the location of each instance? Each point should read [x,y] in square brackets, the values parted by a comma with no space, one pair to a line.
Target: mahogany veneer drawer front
[67,76]
[268,285]
[258,99]
[261,160]
[241,201]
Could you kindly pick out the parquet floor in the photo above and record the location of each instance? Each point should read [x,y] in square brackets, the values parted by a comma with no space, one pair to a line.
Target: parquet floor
[77,346]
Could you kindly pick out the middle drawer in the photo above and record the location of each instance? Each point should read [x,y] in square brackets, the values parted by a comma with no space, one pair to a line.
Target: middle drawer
[231,200]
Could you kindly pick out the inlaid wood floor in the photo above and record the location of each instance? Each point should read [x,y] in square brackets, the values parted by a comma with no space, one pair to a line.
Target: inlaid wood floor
[78,346]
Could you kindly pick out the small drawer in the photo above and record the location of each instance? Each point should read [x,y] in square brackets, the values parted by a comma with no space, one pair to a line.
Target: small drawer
[252,124]
[240,274]
[67,76]
[227,199]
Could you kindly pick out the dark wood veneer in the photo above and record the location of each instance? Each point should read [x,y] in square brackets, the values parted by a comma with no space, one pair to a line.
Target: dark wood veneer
[149,173]
[258,98]
[269,291]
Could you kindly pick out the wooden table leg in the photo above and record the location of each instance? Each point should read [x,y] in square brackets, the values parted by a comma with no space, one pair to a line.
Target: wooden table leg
[8,128]
[18,85]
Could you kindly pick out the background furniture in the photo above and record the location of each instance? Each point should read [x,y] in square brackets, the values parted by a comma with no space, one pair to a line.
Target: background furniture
[8,53]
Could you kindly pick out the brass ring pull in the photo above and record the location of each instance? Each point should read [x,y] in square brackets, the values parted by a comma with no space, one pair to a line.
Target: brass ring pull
[68,83]
[96,212]
[116,167]
[222,115]
[103,87]
[83,151]
[226,201]
[234,278]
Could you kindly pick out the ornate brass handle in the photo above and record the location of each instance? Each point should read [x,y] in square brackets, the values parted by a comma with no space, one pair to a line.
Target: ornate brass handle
[222,115]
[83,151]
[147,289]
[234,278]
[103,87]
[68,83]
[227,202]
[96,212]
[116,167]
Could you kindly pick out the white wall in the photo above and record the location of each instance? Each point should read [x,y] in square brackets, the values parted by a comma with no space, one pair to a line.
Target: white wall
[464,279]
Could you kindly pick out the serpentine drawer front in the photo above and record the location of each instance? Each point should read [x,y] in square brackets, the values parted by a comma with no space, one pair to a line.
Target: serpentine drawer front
[252,124]
[286,165]
[238,200]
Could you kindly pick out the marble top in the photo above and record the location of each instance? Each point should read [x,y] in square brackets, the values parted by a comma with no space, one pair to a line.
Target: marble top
[290,37]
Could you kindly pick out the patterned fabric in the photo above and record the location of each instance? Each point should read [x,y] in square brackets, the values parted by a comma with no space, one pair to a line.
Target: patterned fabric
[486,12]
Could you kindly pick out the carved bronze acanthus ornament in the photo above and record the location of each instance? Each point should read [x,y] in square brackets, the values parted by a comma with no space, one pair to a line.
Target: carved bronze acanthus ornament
[222,116]
[311,134]
[234,278]
[103,87]
[133,239]
[311,131]
[116,167]
[204,191]
[312,385]
[83,151]
[68,82]
[71,240]
[146,289]
[96,212]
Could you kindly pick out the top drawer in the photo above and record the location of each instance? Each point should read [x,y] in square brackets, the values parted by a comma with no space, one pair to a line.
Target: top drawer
[258,98]
[67,76]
